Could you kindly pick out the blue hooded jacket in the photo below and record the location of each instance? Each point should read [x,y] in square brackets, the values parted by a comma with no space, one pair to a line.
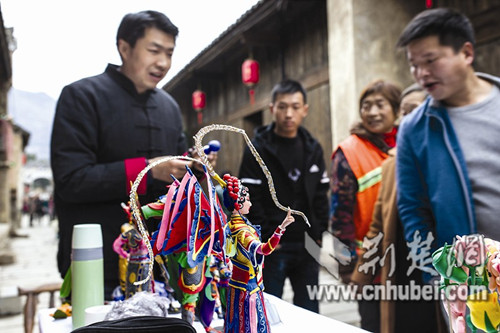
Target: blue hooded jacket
[434,191]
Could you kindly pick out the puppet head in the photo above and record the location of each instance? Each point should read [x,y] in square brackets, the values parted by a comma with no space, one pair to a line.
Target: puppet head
[235,193]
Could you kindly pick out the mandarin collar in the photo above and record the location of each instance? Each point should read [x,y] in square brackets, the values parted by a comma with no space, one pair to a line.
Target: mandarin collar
[127,84]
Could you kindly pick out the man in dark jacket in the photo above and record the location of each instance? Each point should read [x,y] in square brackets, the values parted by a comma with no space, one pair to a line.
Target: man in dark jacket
[295,160]
[106,130]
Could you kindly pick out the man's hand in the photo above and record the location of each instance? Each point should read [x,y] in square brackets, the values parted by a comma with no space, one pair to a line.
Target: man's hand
[163,171]
[212,158]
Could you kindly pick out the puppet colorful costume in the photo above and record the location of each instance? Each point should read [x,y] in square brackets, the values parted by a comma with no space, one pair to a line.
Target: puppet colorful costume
[246,311]
[133,264]
[130,246]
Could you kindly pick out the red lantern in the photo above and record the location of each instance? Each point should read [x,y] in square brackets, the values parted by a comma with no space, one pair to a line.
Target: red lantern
[250,76]
[199,99]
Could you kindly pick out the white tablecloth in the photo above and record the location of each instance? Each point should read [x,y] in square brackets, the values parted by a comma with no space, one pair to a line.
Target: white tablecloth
[283,317]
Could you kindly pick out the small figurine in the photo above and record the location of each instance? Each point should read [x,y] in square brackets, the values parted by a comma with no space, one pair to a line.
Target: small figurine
[134,259]
[246,310]
[190,231]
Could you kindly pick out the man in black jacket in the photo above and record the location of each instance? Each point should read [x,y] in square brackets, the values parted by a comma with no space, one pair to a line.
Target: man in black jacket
[106,130]
[295,160]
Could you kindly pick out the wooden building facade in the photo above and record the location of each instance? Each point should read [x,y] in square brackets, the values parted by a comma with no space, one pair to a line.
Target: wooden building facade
[289,40]
[13,140]
[334,47]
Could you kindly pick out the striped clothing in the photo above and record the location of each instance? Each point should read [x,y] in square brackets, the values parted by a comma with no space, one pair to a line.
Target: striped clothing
[246,312]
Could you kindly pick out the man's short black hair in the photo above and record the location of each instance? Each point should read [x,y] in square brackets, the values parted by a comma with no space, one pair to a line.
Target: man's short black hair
[450,26]
[288,86]
[133,26]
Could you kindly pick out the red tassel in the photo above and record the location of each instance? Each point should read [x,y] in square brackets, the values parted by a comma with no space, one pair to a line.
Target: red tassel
[428,4]
[200,117]
[251,92]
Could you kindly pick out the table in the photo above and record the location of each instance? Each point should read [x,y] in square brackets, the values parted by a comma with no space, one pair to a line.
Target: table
[296,319]
[283,317]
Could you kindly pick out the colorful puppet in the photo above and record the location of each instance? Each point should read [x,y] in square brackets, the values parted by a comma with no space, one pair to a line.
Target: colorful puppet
[246,310]
[134,202]
[134,261]
[195,288]
[194,226]
[191,221]
[189,224]
[189,279]
[470,267]
[189,232]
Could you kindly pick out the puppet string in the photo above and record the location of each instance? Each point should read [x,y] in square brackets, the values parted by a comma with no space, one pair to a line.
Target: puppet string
[201,152]
[134,200]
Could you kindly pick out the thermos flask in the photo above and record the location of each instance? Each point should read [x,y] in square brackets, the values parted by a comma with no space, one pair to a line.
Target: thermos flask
[87,271]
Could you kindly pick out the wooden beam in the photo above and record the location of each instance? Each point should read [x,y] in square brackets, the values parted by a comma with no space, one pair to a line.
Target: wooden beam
[318,77]
[226,41]
[486,25]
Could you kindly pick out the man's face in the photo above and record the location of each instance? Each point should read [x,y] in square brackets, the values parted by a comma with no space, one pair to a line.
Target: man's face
[149,61]
[440,70]
[288,112]
[377,114]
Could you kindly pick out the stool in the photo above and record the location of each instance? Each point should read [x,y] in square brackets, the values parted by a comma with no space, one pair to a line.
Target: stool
[32,301]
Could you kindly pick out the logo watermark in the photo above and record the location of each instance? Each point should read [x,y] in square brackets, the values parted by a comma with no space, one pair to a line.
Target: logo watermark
[468,250]
[392,292]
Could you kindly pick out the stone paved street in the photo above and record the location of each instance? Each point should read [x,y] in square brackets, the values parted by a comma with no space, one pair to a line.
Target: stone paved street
[35,265]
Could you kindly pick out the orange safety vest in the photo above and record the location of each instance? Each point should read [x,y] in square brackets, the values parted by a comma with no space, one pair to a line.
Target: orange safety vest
[365,160]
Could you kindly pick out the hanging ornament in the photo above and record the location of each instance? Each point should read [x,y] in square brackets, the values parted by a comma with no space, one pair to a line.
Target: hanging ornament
[428,4]
[199,100]
[250,76]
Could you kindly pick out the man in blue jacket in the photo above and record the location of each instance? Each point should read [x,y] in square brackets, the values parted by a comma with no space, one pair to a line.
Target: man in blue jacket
[448,157]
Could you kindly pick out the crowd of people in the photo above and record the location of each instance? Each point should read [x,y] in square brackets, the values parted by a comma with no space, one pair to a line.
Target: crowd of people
[36,205]
[107,128]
